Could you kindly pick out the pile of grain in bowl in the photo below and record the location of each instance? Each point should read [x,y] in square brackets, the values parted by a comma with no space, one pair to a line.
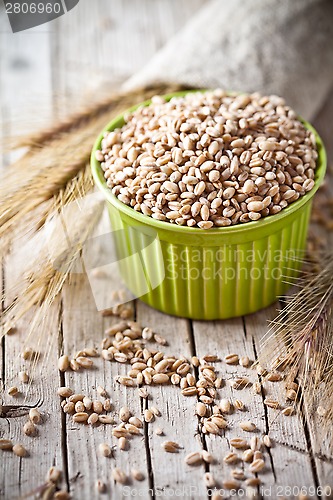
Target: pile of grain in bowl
[210,159]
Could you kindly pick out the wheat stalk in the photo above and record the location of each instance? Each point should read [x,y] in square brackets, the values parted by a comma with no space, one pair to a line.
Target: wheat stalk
[42,283]
[300,340]
[51,175]
[54,157]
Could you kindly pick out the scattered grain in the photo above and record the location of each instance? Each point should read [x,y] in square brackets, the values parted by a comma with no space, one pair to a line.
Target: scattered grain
[231,484]
[119,476]
[80,417]
[171,446]
[209,480]
[104,450]
[239,443]
[149,416]
[194,458]
[272,403]
[62,495]
[267,441]
[23,377]
[231,359]
[6,444]
[289,410]
[239,405]
[231,458]
[137,475]
[19,450]
[13,391]
[257,465]
[54,475]
[247,426]
[65,392]
[100,486]
[63,363]
[29,429]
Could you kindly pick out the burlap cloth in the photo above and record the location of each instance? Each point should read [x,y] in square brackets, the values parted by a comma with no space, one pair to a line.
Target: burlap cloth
[283,47]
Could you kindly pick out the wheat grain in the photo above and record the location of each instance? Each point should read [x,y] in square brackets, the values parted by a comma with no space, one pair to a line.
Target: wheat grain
[62,495]
[119,476]
[257,465]
[209,480]
[13,391]
[104,450]
[80,417]
[170,446]
[24,377]
[231,458]
[100,486]
[137,475]
[231,359]
[248,426]
[231,484]
[6,444]
[30,429]
[289,410]
[63,363]
[124,414]
[105,419]
[267,441]
[194,458]
[239,405]
[239,443]
[19,450]
[54,475]
[247,455]
[65,392]
[271,403]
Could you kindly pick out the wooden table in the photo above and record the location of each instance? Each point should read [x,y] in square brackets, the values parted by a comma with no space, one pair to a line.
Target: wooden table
[46,69]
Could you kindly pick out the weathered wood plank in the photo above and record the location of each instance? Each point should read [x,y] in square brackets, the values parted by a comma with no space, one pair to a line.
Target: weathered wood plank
[291,455]
[21,476]
[321,449]
[287,463]
[25,57]
[119,39]
[25,78]
[222,338]
[84,328]
[177,419]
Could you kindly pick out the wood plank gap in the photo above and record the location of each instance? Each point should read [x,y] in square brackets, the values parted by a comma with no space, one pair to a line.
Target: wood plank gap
[309,445]
[54,69]
[264,407]
[263,398]
[144,406]
[64,447]
[196,373]
[151,480]
[3,341]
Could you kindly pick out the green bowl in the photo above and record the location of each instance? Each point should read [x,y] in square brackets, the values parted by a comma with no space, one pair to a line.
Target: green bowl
[208,274]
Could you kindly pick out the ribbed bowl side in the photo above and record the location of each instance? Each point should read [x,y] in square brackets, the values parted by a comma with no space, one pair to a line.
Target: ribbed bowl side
[210,282]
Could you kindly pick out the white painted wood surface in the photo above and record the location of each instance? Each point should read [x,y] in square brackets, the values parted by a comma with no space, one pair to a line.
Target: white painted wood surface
[43,73]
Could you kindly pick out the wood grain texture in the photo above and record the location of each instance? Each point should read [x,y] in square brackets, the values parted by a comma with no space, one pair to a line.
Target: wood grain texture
[178,419]
[117,41]
[291,455]
[45,447]
[84,328]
